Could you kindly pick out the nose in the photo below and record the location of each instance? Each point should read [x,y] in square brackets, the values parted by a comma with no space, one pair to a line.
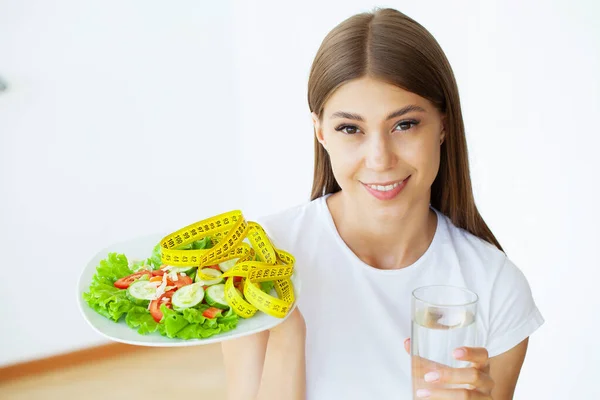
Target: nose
[380,154]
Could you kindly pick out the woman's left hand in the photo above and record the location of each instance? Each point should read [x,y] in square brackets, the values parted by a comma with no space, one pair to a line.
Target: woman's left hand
[475,381]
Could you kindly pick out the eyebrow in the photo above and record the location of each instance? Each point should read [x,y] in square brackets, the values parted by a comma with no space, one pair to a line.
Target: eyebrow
[395,114]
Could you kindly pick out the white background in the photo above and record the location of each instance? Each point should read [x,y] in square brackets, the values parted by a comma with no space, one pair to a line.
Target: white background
[123,118]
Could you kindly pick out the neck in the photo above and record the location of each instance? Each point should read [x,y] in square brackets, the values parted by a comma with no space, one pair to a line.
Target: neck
[382,239]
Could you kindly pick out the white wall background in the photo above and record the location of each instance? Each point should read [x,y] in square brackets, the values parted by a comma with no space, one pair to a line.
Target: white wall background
[111,105]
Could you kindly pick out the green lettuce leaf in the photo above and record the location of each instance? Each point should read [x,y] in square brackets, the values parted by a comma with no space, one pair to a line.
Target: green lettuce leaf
[173,321]
[193,325]
[113,267]
[202,244]
[267,286]
[140,318]
[155,259]
[228,318]
[140,265]
[194,315]
[112,303]
[108,300]
[197,331]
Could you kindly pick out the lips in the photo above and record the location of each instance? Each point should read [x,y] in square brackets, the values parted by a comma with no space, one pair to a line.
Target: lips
[386,190]
[385,186]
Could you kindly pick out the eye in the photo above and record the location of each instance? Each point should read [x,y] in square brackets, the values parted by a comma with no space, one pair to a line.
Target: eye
[407,124]
[348,129]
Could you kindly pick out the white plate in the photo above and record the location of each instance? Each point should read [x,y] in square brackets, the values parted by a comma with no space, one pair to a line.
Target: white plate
[141,248]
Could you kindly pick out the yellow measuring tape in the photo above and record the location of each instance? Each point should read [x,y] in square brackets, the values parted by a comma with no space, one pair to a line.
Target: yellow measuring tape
[227,233]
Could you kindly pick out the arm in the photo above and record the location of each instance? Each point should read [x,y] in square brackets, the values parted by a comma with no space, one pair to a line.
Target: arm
[505,369]
[284,372]
[268,365]
[244,359]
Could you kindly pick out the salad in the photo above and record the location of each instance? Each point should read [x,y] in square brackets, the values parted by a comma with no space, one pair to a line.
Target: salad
[173,301]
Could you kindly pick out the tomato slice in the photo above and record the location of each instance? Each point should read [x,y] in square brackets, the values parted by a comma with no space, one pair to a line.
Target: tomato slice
[125,281]
[238,283]
[180,282]
[213,267]
[155,305]
[211,312]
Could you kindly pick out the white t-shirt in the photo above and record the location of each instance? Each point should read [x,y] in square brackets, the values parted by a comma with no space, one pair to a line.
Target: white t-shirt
[357,316]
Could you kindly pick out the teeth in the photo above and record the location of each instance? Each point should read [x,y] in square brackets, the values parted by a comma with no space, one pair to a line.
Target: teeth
[385,188]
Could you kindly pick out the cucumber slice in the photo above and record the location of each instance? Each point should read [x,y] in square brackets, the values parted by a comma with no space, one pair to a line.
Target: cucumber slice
[141,292]
[215,297]
[211,272]
[188,296]
[227,265]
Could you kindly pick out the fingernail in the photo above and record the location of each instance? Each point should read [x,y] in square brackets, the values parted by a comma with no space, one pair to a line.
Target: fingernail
[432,376]
[459,353]
[423,393]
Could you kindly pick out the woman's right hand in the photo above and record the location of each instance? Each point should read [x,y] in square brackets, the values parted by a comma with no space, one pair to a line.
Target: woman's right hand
[254,364]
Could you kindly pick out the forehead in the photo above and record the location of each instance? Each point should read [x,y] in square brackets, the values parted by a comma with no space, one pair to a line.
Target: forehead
[371,98]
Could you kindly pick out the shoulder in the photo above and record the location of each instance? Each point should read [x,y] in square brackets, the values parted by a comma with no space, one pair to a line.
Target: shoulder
[296,215]
[505,294]
[285,226]
[482,263]
[472,251]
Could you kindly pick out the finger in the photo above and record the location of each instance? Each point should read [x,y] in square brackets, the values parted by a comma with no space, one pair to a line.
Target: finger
[407,345]
[477,355]
[475,378]
[425,365]
[451,394]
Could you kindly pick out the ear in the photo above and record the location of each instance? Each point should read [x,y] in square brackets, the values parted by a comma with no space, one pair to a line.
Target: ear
[443,132]
[318,129]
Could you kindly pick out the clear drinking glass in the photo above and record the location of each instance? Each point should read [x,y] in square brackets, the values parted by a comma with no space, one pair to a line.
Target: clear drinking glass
[443,319]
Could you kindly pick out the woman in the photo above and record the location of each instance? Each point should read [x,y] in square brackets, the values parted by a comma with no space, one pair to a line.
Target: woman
[392,209]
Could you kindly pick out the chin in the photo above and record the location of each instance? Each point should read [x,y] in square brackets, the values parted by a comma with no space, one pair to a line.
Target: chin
[392,208]
[395,208]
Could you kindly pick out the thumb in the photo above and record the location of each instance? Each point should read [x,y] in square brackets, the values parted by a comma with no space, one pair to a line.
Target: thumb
[407,345]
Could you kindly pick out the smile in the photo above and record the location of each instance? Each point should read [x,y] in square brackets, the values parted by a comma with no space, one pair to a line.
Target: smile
[386,190]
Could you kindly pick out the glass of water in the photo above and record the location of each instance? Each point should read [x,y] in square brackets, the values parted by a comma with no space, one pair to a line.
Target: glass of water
[443,319]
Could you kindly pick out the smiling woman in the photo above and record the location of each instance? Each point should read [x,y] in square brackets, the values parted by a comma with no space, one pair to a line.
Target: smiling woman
[379,153]
[391,210]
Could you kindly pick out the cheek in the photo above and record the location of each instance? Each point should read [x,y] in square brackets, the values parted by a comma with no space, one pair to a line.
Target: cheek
[345,161]
[423,156]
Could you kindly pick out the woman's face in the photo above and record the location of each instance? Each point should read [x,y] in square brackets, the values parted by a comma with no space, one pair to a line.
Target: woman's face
[384,144]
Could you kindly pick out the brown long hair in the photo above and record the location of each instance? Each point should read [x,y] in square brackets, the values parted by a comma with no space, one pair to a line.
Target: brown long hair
[390,46]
